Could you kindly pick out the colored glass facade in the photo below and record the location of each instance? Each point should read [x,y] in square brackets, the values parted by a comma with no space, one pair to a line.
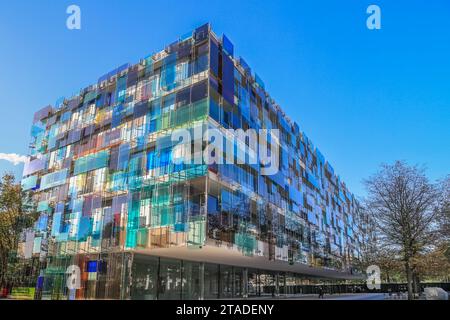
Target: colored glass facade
[113,201]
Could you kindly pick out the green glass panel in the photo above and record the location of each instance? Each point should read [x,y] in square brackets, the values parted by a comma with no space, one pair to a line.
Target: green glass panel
[91,162]
[132,224]
[29,183]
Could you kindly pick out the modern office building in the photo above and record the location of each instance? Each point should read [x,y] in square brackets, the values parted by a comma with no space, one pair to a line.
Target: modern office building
[112,201]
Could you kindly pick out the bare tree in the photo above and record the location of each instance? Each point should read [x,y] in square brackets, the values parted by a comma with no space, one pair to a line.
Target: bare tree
[368,249]
[444,206]
[403,204]
[435,265]
[373,252]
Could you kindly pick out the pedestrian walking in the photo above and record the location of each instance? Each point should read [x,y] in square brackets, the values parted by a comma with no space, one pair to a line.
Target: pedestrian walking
[320,293]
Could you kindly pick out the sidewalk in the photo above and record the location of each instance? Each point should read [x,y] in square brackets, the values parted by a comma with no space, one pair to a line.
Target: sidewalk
[344,296]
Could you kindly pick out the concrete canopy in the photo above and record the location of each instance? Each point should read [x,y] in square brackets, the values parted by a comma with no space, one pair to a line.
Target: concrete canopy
[227,256]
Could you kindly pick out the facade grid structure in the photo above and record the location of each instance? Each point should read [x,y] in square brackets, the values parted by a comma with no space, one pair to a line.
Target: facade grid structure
[111,199]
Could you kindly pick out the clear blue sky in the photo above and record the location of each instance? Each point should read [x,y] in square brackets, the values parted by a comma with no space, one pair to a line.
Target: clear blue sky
[364,97]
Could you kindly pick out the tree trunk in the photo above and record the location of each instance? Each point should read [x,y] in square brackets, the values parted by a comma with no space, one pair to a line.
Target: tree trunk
[416,283]
[409,279]
[4,266]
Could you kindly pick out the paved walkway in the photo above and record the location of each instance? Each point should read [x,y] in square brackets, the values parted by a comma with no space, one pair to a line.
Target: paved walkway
[346,296]
[360,296]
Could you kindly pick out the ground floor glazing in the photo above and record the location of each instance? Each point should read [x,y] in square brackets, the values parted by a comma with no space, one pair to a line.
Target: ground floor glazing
[143,277]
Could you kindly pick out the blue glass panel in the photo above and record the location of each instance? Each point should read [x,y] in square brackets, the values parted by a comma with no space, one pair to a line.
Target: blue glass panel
[124,153]
[214,58]
[260,83]
[244,65]
[227,45]
[56,224]
[214,110]
[201,33]
[84,228]
[42,222]
[140,110]
[228,79]
[168,73]
[92,266]
[121,89]
[151,160]
[40,282]
[117,116]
